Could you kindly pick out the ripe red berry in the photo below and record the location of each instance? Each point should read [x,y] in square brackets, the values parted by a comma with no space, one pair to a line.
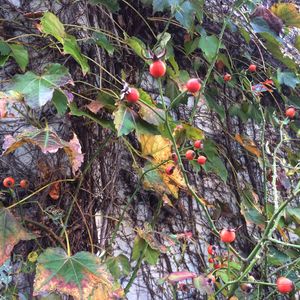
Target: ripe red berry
[290,112]
[211,260]
[201,160]
[227,77]
[157,69]
[24,184]
[8,182]
[252,68]
[217,265]
[170,169]
[198,144]
[284,285]
[190,155]
[133,95]
[211,249]
[193,85]
[174,157]
[227,235]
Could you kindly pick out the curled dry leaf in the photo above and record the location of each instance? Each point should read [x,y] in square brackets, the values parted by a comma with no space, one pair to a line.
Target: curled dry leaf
[11,233]
[81,276]
[248,144]
[49,142]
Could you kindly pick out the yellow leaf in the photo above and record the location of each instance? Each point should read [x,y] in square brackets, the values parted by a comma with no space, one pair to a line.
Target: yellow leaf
[159,149]
[288,13]
[156,146]
[248,144]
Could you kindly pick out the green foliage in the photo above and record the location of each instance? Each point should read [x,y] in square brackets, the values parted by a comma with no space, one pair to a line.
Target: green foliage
[51,25]
[17,51]
[38,89]
[112,5]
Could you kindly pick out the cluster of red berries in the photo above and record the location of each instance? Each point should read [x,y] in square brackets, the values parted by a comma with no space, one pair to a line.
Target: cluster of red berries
[9,182]
[252,68]
[212,251]
[190,155]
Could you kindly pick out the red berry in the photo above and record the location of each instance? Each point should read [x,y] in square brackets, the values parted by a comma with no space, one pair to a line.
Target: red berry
[227,235]
[24,184]
[290,112]
[157,69]
[211,260]
[170,169]
[198,144]
[217,265]
[211,249]
[193,85]
[227,77]
[284,285]
[174,157]
[8,182]
[201,160]
[190,155]
[252,68]
[133,95]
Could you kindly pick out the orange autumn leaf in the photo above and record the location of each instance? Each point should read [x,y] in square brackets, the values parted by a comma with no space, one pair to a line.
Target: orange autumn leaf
[248,144]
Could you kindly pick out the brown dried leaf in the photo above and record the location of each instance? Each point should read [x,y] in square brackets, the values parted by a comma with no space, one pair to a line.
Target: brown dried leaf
[248,144]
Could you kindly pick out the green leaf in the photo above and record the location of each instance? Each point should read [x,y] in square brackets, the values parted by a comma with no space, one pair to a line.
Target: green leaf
[38,90]
[151,255]
[245,34]
[185,15]
[294,213]
[76,275]
[51,25]
[11,232]
[276,257]
[124,120]
[138,247]
[191,46]
[60,102]
[103,42]
[210,96]
[287,78]
[20,54]
[143,127]
[137,46]
[250,210]
[193,133]
[112,5]
[214,163]
[209,46]
[160,5]
[17,51]
[288,13]
[106,100]
[71,47]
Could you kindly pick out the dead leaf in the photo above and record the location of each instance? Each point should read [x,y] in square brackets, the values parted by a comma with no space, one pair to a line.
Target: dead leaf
[94,106]
[248,144]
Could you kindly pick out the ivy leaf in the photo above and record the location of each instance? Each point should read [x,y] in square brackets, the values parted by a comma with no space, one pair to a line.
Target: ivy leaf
[51,25]
[38,90]
[151,256]
[17,51]
[71,47]
[103,42]
[185,15]
[112,5]
[124,120]
[77,276]
[137,46]
[287,78]
[11,233]
[209,46]
[288,13]
[60,102]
